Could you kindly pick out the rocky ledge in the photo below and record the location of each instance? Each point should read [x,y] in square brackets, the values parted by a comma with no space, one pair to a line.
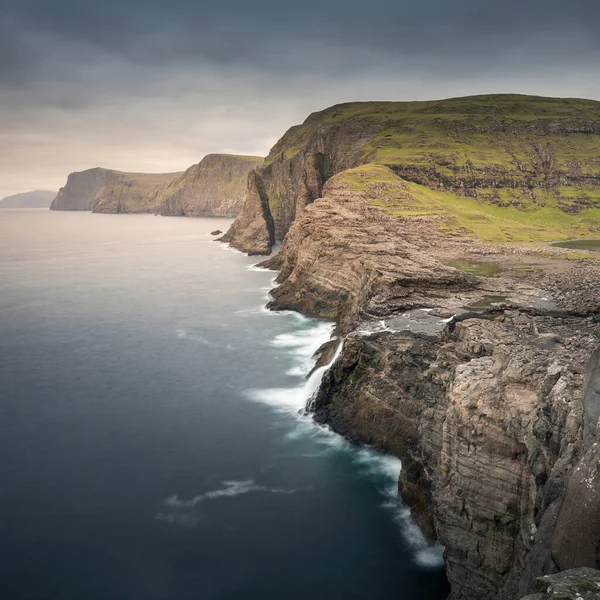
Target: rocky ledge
[487,388]
[575,584]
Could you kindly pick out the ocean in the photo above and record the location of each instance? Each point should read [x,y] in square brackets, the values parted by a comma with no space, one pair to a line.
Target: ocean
[153,441]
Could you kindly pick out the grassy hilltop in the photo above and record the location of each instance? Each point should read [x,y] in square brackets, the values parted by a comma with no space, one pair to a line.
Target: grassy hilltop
[503,167]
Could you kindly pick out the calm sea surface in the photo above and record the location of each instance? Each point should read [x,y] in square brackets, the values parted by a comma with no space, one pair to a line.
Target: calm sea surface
[150,442]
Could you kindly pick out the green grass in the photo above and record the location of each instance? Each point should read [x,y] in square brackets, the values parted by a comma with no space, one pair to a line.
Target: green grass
[457,215]
[505,168]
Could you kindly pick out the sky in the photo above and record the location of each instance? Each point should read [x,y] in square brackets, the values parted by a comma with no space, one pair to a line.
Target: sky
[153,86]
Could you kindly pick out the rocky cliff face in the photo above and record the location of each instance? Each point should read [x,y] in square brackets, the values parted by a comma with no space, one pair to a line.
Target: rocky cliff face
[108,191]
[515,152]
[495,413]
[79,193]
[215,187]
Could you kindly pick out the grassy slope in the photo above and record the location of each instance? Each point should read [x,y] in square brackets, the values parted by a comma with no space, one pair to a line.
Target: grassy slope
[458,214]
[506,167]
[133,192]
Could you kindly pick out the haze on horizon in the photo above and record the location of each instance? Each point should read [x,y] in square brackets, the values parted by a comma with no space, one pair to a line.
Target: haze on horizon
[153,86]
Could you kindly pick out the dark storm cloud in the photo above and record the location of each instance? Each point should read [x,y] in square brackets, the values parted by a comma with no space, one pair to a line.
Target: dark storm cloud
[153,85]
[276,34]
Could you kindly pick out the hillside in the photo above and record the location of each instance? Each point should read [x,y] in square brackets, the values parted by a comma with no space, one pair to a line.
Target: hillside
[109,191]
[35,199]
[517,168]
[466,346]
[215,187]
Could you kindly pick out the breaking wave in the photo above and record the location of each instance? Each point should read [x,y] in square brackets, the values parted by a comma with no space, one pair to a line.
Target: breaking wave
[383,469]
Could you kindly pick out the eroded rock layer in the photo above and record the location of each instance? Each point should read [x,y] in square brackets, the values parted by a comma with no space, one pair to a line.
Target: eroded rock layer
[519,153]
[215,187]
[494,414]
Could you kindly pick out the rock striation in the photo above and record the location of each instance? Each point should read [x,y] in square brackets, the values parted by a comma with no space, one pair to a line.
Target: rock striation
[215,187]
[494,410]
[519,153]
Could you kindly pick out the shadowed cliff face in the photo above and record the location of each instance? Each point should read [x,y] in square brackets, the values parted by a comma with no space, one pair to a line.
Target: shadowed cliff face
[215,187]
[517,153]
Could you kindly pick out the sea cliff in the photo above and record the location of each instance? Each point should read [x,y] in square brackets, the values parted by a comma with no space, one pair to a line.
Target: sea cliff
[215,187]
[486,387]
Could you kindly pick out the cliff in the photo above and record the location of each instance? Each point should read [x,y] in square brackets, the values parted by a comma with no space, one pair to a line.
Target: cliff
[469,356]
[215,187]
[520,159]
[105,190]
[35,199]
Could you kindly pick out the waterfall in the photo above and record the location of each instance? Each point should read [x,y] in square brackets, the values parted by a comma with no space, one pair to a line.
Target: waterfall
[311,387]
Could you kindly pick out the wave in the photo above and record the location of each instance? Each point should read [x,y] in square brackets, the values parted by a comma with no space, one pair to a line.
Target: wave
[302,345]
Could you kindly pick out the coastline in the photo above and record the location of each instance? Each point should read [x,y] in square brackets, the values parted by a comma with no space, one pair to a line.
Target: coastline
[423,405]
[427,553]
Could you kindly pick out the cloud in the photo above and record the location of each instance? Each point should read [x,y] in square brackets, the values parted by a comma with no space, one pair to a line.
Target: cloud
[151,85]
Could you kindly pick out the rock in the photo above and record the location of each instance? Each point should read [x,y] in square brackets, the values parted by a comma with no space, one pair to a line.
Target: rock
[477,464]
[251,235]
[215,187]
[216,232]
[109,191]
[574,584]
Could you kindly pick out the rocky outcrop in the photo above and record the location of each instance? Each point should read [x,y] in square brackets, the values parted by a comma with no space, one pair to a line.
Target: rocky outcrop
[575,584]
[346,259]
[487,420]
[35,199]
[251,235]
[79,193]
[109,191]
[215,187]
[132,192]
[498,449]
[509,151]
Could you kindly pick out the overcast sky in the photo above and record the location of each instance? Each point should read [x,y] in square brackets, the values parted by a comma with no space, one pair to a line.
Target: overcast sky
[149,85]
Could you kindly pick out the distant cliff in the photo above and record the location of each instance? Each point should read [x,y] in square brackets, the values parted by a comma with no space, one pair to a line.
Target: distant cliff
[35,199]
[215,187]
[109,191]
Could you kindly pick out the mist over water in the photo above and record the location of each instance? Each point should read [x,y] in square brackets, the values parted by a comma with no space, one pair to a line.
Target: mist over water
[152,429]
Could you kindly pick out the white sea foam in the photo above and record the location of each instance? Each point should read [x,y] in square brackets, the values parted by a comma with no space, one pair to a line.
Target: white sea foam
[230,247]
[425,554]
[230,489]
[303,344]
